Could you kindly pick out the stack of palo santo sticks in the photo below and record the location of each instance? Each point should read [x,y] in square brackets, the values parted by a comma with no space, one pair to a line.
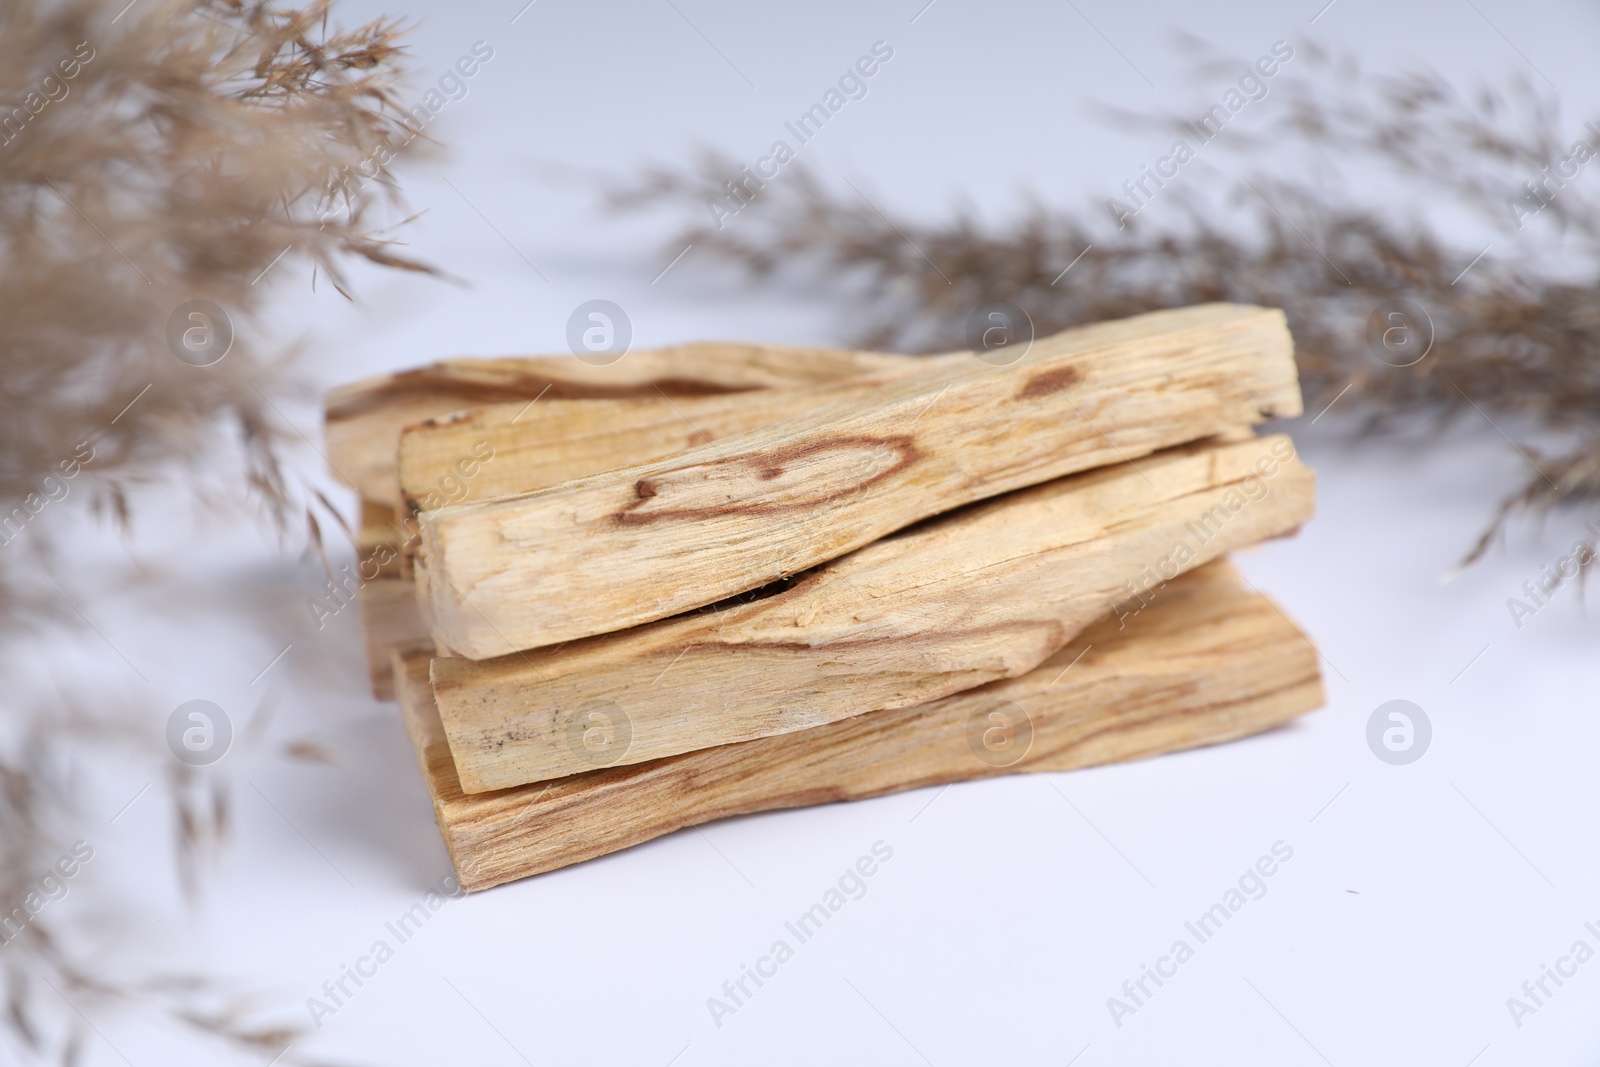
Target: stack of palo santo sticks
[616,601]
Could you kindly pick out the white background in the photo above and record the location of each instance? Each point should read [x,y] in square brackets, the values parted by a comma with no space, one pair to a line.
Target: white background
[1418,898]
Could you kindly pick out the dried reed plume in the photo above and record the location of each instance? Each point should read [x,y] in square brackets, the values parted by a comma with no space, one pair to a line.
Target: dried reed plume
[1515,338]
[168,154]
[154,154]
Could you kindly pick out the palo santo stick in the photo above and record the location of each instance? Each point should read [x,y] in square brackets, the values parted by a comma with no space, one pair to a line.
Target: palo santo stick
[387,623]
[364,419]
[503,449]
[1206,662]
[379,540]
[647,542]
[507,448]
[555,440]
[390,622]
[985,593]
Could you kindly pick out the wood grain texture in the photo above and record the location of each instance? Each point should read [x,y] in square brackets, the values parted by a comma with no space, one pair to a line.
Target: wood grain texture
[380,540]
[390,622]
[503,449]
[363,420]
[553,440]
[983,593]
[1205,662]
[643,543]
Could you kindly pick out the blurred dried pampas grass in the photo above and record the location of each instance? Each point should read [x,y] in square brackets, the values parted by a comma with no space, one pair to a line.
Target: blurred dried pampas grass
[155,154]
[1515,333]
[180,151]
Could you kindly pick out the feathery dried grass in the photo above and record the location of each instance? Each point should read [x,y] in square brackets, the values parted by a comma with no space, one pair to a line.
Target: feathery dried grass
[1515,338]
[196,146]
[153,154]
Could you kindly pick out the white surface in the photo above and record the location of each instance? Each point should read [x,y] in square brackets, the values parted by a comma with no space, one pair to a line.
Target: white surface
[1416,902]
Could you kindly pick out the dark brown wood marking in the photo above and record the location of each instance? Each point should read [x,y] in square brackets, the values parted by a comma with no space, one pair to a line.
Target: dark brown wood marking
[452,419]
[771,466]
[431,385]
[1049,382]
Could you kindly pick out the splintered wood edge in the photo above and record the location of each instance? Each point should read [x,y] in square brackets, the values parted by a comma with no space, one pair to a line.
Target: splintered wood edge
[1205,662]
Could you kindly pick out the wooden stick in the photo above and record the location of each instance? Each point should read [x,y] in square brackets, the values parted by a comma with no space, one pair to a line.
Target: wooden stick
[390,622]
[379,540]
[1205,662]
[364,419]
[647,542]
[504,449]
[988,592]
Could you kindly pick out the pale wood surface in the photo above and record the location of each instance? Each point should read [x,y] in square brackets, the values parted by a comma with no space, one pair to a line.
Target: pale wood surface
[650,541]
[1205,662]
[538,441]
[390,622]
[503,449]
[387,622]
[363,419]
[983,593]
